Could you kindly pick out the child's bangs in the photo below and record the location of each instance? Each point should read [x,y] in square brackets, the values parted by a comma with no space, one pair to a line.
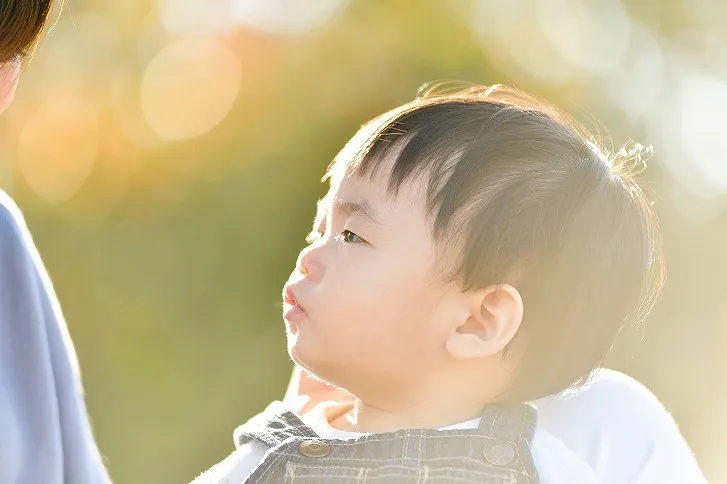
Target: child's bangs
[412,143]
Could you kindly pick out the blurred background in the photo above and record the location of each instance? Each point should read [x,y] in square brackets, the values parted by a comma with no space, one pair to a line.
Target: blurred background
[167,157]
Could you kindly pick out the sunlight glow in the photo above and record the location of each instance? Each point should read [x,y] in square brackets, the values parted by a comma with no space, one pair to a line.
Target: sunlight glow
[189,87]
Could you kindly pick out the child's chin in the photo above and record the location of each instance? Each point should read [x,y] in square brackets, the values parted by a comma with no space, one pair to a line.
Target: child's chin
[291,329]
[304,359]
[296,357]
[294,350]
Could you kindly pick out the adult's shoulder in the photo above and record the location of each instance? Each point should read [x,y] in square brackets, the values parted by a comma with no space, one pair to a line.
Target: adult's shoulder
[12,224]
[20,264]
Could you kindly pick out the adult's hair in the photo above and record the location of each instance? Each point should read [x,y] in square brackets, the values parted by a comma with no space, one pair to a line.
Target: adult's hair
[520,194]
[21,23]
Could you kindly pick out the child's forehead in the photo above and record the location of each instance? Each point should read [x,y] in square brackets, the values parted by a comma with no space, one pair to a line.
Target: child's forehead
[370,196]
[352,187]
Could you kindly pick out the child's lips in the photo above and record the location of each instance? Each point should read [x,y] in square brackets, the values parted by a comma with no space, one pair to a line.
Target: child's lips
[289,296]
[292,309]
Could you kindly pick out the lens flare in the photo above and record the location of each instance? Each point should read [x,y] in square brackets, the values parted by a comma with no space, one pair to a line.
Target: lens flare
[58,147]
[189,87]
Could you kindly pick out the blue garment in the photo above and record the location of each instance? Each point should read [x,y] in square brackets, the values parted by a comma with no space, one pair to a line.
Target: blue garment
[45,435]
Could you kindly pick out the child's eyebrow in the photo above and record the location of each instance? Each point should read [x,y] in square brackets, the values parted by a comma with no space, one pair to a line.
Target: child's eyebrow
[359,207]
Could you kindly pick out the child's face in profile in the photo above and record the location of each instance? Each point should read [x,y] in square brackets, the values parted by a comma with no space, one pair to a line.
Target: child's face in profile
[365,308]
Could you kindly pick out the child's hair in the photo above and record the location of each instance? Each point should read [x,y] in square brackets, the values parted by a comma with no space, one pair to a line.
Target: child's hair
[519,194]
[21,23]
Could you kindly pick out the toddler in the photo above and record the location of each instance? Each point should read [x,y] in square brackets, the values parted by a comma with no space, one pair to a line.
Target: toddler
[476,251]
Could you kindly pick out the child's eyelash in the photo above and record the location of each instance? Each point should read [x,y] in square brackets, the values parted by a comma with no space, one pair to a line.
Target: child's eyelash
[346,236]
[314,235]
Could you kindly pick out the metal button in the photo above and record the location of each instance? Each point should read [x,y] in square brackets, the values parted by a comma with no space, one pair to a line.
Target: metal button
[499,453]
[314,448]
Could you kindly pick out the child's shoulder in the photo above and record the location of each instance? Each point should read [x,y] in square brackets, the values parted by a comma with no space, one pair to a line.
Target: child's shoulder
[611,404]
[608,392]
[620,420]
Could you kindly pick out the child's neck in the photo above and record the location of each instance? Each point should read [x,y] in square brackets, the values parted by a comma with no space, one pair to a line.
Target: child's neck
[364,417]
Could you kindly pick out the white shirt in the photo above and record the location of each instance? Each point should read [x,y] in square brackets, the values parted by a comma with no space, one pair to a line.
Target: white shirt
[614,431]
[622,431]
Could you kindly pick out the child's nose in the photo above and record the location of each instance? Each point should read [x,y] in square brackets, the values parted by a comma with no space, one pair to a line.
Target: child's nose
[309,262]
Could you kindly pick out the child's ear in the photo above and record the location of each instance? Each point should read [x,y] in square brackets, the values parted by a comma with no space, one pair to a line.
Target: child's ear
[493,318]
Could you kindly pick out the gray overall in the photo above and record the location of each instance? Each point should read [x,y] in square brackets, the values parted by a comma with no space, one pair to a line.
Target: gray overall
[497,452]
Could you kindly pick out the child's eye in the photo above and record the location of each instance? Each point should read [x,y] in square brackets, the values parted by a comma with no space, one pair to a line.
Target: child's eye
[349,237]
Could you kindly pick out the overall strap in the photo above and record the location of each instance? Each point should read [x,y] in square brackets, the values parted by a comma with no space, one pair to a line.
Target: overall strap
[272,429]
[510,422]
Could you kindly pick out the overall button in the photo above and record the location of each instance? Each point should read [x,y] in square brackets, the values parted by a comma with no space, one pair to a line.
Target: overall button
[314,448]
[499,453]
